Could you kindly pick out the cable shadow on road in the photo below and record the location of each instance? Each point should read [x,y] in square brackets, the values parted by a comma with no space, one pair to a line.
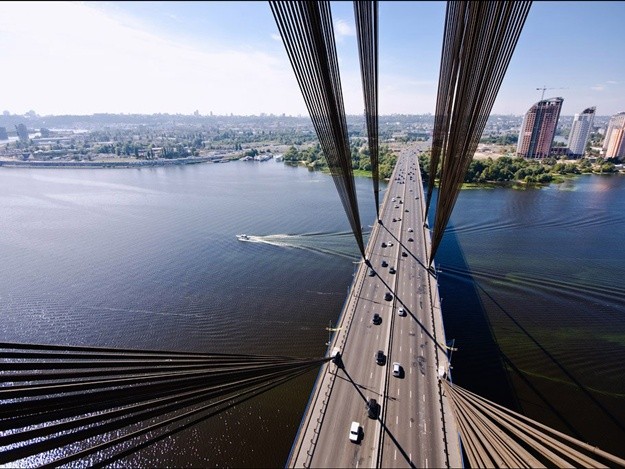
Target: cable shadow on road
[360,386]
[408,251]
[384,427]
[412,315]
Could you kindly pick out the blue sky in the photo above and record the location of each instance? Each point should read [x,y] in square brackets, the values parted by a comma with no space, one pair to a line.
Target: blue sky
[227,57]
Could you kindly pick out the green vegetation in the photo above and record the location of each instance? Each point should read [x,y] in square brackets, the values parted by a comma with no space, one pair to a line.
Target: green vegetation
[526,171]
[312,156]
[508,139]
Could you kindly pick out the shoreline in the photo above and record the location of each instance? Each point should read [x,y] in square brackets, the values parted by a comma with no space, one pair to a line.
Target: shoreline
[108,164]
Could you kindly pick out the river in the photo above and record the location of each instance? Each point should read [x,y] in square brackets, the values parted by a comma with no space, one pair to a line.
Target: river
[148,258]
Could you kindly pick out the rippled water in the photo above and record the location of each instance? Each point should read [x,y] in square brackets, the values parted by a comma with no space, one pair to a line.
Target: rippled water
[531,282]
[533,293]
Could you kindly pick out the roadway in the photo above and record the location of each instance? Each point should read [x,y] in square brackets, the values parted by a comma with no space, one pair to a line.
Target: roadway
[414,424]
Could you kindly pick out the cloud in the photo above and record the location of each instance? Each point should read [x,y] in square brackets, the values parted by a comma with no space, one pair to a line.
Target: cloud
[612,82]
[598,88]
[276,37]
[342,28]
[88,61]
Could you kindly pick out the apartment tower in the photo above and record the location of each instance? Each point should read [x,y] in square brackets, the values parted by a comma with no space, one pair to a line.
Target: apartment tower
[614,142]
[580,131]
[539,128]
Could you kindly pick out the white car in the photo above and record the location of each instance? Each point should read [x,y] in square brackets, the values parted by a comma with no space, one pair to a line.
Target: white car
[401,312]
[396,370]
[354,432]
[410,230]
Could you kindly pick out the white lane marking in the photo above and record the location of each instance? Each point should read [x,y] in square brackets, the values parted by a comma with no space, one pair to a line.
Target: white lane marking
[424,398]
[410,370]
[411,394]
[426,463]
[400,348]
[410,456]
[410,349]
[398,392]
[411,424]
[425,427]
[395,454]
[397,420]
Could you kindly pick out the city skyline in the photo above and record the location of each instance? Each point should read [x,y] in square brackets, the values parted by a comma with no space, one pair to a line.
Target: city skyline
[227,58]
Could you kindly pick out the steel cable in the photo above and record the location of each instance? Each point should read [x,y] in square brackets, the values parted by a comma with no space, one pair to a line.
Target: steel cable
[479,39]
[366,14]
[308,37]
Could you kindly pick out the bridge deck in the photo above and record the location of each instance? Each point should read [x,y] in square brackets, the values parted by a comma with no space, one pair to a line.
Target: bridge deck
[415,426]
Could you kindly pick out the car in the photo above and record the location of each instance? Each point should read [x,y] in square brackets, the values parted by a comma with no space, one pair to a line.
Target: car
[396,369]
[379,357]
[389,244]
[373,408]
[384,264]
[410,240]
[394,219]
[407,210]
[376,319]
[404,254]
[396,206]
[354,432]
[383,245]
[391,270]
[371,273]
[410,230]
[401,311]
[388,296]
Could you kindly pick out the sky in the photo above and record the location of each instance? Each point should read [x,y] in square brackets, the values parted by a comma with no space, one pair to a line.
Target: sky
[228,58]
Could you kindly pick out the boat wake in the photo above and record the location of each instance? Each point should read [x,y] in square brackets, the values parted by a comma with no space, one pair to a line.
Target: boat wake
[341,244]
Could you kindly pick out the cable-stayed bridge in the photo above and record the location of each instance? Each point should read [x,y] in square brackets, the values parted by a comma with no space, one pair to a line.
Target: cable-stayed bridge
[59,405]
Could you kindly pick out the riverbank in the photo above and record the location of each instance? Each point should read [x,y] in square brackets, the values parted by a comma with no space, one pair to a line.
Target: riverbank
[108,164]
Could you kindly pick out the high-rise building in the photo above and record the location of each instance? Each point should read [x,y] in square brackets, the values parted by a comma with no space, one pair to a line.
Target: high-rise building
[614,143]
[3,133]
[539,128]
[22,132]
[580,131]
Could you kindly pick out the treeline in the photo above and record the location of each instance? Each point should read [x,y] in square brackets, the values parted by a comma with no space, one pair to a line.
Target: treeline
[313,157]
[530,171]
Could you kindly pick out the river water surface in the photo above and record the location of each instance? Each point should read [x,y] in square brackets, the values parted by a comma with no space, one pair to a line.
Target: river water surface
[532,287]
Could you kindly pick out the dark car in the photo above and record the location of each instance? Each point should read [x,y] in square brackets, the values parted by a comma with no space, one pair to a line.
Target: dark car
[376,319]
[373,408]
[379,357]
[404,254]
[410,240]
[391,270]
[384,264]
[371,273]
[383,245]
[388,296]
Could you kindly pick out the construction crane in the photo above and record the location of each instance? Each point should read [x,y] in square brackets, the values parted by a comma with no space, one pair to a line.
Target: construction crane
[545,88]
